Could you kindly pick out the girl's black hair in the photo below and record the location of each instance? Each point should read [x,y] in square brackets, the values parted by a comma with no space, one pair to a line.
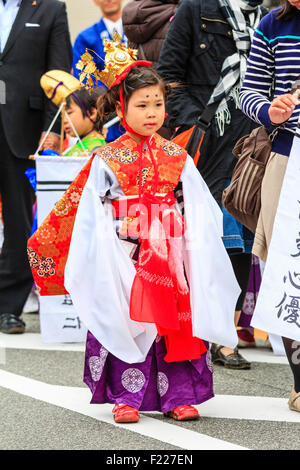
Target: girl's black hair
[138,77]
[86,100]
[287,11]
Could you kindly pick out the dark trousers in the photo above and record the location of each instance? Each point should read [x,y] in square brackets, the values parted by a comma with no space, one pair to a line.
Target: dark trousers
[17,197]
[241,264]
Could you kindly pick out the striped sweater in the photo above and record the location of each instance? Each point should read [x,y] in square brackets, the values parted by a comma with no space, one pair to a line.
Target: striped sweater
[272,69]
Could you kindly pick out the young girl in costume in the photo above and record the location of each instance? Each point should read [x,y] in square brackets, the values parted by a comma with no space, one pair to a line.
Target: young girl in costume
[145,264]
[81,110]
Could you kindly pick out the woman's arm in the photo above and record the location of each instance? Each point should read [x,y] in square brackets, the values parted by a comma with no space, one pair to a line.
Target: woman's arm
[255,93]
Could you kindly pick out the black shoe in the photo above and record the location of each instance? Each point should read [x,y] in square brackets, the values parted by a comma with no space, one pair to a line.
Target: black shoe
[232,361]
[10,323]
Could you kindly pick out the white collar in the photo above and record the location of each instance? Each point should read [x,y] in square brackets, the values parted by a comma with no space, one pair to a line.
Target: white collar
[114,25]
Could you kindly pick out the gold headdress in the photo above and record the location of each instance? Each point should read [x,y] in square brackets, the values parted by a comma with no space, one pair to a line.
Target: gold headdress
[58,84]
[118,62]
[117,59]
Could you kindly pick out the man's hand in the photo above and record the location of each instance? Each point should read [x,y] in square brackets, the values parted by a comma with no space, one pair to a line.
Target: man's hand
[282,108]
[52,142]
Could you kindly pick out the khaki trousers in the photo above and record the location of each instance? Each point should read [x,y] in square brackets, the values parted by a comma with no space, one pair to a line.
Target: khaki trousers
[270,192]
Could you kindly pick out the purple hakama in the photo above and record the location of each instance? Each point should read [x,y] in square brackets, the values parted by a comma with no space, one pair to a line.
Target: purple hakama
[152,385]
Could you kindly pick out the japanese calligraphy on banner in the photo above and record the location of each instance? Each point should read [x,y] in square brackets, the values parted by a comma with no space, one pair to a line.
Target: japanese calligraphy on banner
[58,319]
[278,305]
[59,322]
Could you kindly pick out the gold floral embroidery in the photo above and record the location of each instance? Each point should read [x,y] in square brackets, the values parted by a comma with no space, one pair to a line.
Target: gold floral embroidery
[106,153]
[45,234]
[74,195]
[125,155]
[63,207]
[171,149]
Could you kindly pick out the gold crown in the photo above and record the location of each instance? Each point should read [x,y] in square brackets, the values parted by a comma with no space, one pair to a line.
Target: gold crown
[117,59]
[58,84]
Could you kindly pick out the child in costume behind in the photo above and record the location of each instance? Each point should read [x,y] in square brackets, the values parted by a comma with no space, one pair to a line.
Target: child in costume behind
[81,109]
[145,290]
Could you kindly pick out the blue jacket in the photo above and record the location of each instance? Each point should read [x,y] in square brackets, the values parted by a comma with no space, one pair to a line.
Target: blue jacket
[91,38]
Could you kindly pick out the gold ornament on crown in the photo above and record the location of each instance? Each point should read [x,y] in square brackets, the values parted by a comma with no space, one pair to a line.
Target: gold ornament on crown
[117,59]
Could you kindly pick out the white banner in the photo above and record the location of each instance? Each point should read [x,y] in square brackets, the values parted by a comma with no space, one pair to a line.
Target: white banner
[58,319]
[278,305]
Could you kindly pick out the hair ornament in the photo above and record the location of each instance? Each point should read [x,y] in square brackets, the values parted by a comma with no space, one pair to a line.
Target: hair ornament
[119,60]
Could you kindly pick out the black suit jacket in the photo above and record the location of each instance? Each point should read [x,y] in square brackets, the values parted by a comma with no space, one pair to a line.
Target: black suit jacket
[31,51]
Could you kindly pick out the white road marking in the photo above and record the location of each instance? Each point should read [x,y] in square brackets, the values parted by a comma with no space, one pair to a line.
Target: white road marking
[34,341]
[249,408]
[77,399]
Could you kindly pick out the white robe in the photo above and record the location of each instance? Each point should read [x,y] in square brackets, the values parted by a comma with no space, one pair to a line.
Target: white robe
[99,272]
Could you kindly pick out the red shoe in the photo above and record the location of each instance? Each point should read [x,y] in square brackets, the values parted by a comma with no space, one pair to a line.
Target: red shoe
[183,413]
[125,414]
[246,339]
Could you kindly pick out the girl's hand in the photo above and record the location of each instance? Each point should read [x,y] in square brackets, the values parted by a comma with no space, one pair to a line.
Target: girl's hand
[282,108]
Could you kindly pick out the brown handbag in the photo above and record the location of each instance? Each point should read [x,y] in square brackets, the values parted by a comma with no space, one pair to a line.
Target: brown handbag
[242,198]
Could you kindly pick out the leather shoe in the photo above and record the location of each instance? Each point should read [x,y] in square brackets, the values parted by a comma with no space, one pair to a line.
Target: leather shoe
[11,324]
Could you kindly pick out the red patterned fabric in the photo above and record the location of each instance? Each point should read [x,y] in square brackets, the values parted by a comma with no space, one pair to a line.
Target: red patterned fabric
[48,247]
[123,155]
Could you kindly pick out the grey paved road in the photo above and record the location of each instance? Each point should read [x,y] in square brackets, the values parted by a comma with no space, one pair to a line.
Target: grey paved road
[45,405]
